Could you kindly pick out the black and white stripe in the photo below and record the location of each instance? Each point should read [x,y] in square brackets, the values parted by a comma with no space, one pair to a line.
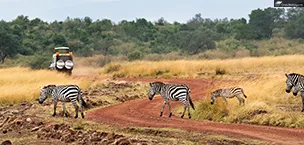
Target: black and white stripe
[172,92]
[229,93]
[64,93]
[297,81]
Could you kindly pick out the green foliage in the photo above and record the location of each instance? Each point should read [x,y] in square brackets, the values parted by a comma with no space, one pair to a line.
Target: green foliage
[9,43]
[39,62]
[141,37]
[135,55]
[294,28]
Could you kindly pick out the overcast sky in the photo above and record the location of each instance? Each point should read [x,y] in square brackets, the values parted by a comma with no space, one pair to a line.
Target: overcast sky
[117,10]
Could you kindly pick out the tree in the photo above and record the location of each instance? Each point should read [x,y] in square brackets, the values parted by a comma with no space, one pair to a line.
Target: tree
[264,21]
[294,27]
[195,42]
[8,42]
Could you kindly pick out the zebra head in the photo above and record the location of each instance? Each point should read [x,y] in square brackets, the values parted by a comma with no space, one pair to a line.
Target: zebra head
[214,95]
[45,92]
[289,82]
[296,89]
[155,88]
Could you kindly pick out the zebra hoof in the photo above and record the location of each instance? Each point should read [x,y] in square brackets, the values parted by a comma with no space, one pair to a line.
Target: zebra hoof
[54,115]
[302,110]
[161,114]
[170,114]
[82,115]
[189,117]
[182,116]
[76,116]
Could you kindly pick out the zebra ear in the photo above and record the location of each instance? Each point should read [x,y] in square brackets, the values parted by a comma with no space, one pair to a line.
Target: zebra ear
[286,75]
[150,84]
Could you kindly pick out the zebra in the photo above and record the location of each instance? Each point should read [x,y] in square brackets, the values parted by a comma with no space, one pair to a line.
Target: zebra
[228,93]
[292,80]
[297,81]
[172,92]
[63,93]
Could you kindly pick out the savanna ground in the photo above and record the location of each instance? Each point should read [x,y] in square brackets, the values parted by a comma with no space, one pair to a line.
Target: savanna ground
[24,121]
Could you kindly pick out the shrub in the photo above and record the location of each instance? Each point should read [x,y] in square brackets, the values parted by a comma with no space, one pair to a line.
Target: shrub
[220,71]
[112,68]
[39,62]
[135,55]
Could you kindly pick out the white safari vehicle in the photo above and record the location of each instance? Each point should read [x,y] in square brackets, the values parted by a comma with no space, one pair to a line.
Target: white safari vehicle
[62,60]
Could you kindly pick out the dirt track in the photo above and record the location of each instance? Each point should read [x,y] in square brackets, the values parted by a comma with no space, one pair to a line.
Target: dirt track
[146,113]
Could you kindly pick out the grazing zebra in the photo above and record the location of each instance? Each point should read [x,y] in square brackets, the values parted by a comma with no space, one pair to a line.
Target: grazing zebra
[65,93]
[228,93]
[297,81]
[172,92]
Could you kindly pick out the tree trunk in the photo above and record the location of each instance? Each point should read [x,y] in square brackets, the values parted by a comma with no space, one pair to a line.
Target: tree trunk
[2,59]
[3,56]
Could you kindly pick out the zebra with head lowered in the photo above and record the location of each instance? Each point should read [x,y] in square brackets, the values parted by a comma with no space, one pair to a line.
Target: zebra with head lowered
[64,93]
[172,92]
[297,81]
[229,93]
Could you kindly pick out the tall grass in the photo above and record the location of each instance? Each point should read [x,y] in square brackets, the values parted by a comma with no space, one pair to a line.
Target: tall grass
[195,68]
[22,84]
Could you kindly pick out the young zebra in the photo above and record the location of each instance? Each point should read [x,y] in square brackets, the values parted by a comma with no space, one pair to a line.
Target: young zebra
[297,81]
[172,92]
[64,93]
[228,93]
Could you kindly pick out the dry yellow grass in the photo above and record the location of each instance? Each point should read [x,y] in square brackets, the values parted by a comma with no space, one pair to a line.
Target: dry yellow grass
[262,78]
[22,84]
[194,68]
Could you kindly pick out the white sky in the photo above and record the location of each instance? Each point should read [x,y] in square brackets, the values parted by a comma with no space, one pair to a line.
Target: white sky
[117,10]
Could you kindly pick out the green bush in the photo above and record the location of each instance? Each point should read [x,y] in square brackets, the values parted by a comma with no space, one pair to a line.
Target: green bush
[39,62]
[135,55]
[220,71]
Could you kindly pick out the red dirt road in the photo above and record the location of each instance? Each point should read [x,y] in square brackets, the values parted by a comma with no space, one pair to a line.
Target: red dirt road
[145,113]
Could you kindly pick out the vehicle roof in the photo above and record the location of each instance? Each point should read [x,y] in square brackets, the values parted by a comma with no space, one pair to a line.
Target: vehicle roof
[61,48]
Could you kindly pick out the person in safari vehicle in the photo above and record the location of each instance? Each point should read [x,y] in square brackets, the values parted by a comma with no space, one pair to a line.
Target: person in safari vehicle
[62,60]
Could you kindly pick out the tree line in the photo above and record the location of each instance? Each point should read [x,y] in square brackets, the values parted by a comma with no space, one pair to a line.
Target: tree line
[139,37]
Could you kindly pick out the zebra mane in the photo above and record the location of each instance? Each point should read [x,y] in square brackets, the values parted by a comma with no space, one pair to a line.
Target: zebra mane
[218,91]
[158,83]
[292,74]
[49,86]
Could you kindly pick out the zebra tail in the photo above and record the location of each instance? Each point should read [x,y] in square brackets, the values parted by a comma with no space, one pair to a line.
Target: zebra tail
[84,104]
[244,93]
[190,101]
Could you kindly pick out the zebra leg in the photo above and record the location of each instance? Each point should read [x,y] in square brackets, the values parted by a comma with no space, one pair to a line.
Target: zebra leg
[162,110]
[241,100]
[55,105]
[224,98]
[76,108]
[81,108]
[185,107]
[189,115]
[64,110]
[169,109]
[302,95]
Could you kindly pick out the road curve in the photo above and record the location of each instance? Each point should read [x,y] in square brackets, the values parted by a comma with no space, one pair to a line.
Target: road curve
[145,113]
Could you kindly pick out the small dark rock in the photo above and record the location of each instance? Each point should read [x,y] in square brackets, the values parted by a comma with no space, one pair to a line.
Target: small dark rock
[7,142]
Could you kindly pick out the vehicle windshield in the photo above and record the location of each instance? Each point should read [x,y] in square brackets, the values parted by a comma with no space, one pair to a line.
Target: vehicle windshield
[63,50]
